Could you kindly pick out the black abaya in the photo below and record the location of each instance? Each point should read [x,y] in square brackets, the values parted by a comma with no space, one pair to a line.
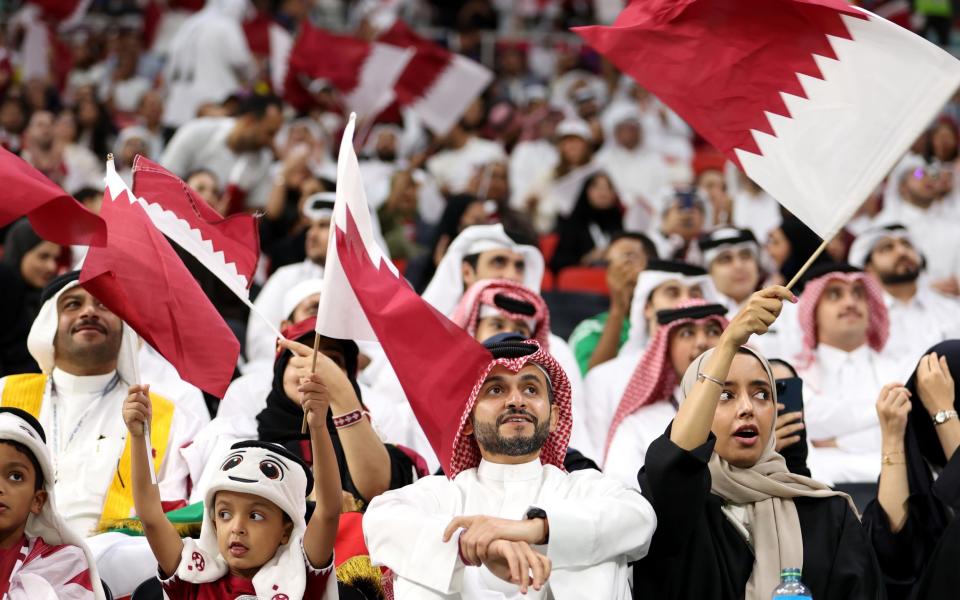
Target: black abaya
[697,553]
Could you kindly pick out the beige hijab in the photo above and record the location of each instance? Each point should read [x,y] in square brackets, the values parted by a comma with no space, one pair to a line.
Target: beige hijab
[766,490]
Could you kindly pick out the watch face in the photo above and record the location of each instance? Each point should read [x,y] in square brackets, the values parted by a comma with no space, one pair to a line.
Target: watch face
[940,417]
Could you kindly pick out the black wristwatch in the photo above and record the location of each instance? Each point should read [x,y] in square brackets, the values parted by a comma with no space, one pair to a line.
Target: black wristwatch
[537,513]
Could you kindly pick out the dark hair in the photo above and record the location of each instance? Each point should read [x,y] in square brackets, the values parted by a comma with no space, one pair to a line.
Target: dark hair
[203,171]
[784,364]
[38,472]
[649,248]
[258,104]
[86,194]
[473,260]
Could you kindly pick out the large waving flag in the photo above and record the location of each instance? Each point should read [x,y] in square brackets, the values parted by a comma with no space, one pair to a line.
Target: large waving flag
[364,298]
[364,72]
[438,84]
[815,99]
[139,277]
[54,214]
[227,247]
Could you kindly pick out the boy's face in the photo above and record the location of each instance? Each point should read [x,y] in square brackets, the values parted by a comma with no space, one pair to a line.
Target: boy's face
[249,531]
[18,496]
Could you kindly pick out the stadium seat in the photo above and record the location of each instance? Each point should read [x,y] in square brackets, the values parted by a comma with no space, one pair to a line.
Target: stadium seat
[583,279]
[546,284]
[548,246]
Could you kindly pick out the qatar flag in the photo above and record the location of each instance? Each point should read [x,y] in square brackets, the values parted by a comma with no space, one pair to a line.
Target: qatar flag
[437,84]
[140,278]
[364,298]
[815,99]
[53,213]
[363,72]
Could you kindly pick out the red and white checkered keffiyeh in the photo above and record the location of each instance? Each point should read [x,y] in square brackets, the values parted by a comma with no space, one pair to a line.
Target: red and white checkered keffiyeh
[482,293]
[654,378]
[878,328]
[466,452]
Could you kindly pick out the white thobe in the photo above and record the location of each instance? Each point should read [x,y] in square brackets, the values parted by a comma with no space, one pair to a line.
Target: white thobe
[202,144]
[639,177]
[86,435]
[527,162]
[261,341]
[917,324]
[209,60]
[453,168]
[597,526]
[628,450]
[165,380]
[605,385]
[840,394]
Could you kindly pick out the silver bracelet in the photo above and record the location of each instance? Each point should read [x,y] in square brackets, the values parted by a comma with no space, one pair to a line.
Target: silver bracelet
[704,376]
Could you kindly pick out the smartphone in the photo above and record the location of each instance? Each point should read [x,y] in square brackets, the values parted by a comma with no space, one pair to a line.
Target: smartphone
[790,394]
[686,200]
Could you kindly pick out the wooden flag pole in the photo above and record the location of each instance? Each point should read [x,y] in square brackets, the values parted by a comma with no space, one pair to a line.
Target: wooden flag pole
[313,370]
[806,265]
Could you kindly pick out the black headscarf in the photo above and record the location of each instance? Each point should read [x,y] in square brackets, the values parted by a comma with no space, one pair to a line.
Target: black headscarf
[575,240]
[281,421]
[19,301]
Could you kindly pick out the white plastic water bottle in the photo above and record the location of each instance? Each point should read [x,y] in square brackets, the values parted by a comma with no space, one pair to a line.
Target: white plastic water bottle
[791,588]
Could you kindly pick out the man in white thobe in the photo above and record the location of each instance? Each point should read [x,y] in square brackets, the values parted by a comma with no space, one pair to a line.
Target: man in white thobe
[483,252]
[87,357]
[662,285]
[651,398]
[845,328]
[920,317]
[235,149]
[507,496]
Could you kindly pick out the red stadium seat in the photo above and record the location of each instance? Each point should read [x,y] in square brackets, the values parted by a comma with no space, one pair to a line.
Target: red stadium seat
[546,284]
[401,265]
[583,279]
[548,247]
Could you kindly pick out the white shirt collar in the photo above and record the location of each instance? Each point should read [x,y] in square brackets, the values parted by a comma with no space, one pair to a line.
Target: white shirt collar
[81,384]
[502,472]
[828,355]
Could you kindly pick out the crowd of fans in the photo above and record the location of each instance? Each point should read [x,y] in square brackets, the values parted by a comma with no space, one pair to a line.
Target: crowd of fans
[567,205]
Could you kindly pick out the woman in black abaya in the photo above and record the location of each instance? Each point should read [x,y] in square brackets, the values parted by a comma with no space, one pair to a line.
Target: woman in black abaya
[911,523]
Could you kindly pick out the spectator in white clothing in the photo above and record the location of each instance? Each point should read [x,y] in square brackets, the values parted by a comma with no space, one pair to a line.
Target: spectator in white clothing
[237,150]
[920,317]
[845,327]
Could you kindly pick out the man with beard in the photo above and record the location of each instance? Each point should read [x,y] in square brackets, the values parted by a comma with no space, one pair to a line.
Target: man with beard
[845,328]
[919,316]
[507,521]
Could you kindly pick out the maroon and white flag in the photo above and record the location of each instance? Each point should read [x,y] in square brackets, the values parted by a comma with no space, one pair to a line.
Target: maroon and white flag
[54,214]
[815,99]
[141,279]
[364,298]
[437,84]
[363,72]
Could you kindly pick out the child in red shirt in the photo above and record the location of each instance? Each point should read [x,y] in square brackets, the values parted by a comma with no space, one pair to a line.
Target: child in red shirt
[254,540]
[40,556]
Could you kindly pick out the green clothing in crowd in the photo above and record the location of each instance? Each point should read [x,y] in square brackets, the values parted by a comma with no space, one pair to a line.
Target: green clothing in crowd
[586,335]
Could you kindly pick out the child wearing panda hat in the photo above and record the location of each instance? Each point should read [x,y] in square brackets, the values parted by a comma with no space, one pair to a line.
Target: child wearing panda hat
[41,558]
[254,540]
